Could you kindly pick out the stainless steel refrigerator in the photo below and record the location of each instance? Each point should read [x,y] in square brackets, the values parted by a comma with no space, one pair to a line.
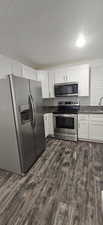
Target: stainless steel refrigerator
[22,137]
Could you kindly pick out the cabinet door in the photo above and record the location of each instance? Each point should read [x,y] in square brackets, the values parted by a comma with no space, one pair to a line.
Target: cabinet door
[83,126]
[96,84]
[46,127]
[50,124]
[73,75]
[17,68]
[84,81]
[83,130]
[96,127]
[96,131]
[5,66]
[60,77]
[42,76]
[51,84]
[29,73]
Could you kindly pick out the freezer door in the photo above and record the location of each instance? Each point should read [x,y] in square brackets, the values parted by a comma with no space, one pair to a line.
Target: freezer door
[24,117]
[38,124]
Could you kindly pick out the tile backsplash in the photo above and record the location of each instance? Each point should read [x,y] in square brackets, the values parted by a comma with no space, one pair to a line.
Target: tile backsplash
[54,101]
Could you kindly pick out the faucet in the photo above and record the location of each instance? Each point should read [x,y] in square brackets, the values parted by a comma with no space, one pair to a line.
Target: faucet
[100,101]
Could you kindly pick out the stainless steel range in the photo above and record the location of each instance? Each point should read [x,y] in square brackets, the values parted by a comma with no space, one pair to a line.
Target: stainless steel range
[66,120]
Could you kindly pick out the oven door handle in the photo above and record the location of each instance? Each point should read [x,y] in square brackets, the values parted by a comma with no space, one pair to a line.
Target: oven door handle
[66,115]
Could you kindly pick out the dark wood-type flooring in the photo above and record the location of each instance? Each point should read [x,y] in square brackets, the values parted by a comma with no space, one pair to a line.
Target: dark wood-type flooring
[60,189]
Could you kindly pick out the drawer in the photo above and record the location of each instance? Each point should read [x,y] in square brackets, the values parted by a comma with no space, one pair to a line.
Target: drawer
[98,118]
[83,117]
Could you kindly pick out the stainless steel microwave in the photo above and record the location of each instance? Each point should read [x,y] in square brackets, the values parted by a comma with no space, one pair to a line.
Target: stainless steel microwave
[66,89]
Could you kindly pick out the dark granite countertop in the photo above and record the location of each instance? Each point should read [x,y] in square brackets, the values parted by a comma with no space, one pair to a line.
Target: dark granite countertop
[83,109]
[49,109]
[90,112]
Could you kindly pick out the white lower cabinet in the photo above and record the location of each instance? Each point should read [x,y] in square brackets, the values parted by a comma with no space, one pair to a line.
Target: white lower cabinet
[96,127]
[48,124]
[90,127]
[83,126]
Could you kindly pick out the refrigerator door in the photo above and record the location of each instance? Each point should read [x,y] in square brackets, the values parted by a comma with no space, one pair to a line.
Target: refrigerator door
[24,118]
[38,121]
[9,157]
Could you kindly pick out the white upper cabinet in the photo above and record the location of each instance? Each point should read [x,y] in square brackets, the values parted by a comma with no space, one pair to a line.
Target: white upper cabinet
[78,74]
[16,68]
[29,73]
[96,84]
[5,66]
[84,84]
[9,66]
[60,77]
[51,76]
[72,75]
[42,76]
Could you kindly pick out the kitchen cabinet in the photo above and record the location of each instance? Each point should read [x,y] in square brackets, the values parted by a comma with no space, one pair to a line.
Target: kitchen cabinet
[51,75]
[60,77]
[96,127]
[42,76]
[78,74]
[29,73]
[5,66]
[46,127]
[83,126]
[84,84]
[16,68]
[90,127]
[48,124]
[96,84]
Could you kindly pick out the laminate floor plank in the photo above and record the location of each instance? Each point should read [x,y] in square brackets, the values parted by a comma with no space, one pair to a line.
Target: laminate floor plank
[62,188]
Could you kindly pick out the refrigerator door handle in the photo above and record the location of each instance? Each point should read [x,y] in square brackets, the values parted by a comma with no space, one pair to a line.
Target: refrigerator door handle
[32,110]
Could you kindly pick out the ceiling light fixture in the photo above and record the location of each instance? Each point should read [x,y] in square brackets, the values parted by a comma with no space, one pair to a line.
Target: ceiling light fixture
[81,41]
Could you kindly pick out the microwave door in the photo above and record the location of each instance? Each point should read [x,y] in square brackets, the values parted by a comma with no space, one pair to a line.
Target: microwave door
[66,90]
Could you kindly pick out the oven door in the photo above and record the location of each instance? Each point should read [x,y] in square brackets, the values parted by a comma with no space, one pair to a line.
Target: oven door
[65,125]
